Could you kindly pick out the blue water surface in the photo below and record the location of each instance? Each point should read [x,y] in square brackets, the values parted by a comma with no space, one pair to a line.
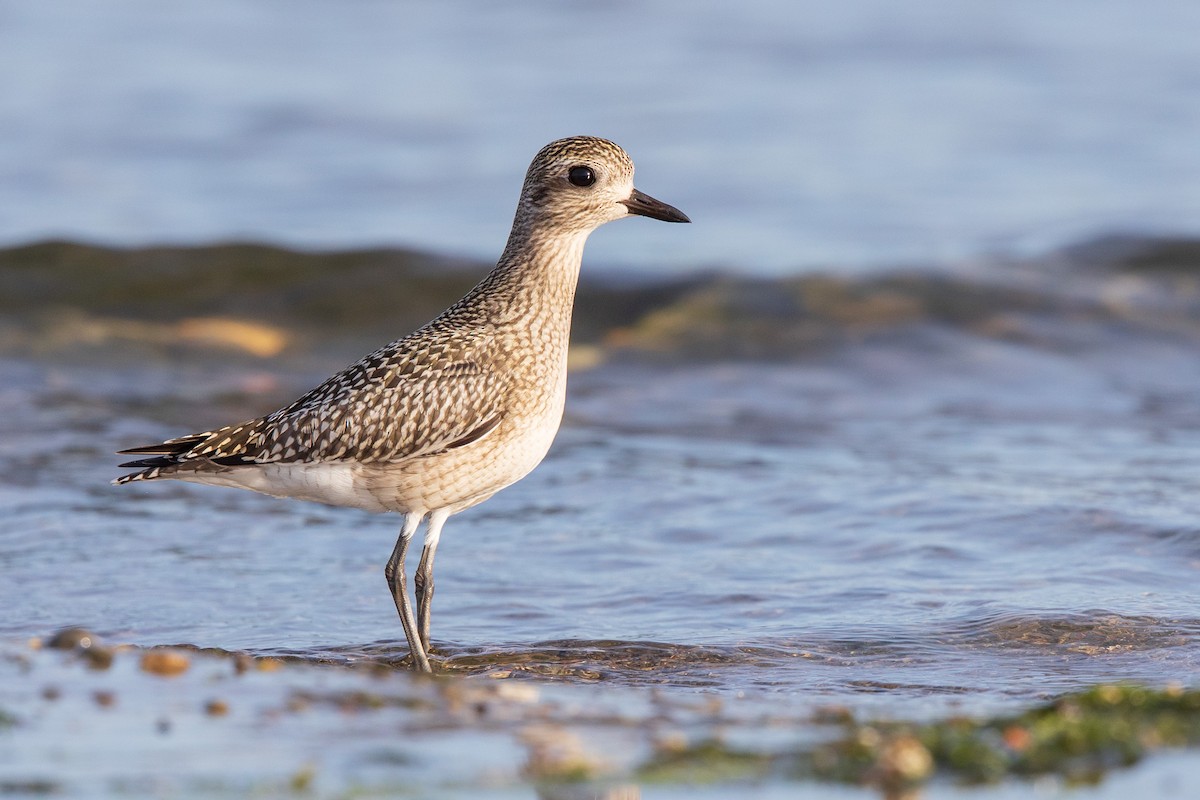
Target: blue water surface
[794,134]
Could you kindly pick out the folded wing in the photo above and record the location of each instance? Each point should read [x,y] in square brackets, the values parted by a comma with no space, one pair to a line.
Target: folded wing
[392,406]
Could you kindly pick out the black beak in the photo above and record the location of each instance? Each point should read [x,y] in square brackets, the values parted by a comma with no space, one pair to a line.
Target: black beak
[647,206]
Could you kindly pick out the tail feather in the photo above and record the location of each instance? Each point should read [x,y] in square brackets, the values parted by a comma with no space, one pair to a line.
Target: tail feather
[171,447]
[144,475]
[143,463]
[162,456]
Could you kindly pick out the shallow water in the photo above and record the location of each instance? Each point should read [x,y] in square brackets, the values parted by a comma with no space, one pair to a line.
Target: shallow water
[912,521]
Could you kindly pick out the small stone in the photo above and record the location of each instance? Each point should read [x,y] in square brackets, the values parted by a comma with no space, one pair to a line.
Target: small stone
[216,708]
[72,639]
[166,663]
[517,692]
[903,762]
[297,703]
[104,698]
[302,781]
[557,754]
[1017,738]
[98,657]
[671,743]
[833,715]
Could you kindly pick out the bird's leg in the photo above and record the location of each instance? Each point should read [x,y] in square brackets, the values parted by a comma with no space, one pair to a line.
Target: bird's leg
[423,579]
[394,572]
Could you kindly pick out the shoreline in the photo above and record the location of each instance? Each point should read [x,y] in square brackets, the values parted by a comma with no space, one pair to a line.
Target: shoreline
[567,740]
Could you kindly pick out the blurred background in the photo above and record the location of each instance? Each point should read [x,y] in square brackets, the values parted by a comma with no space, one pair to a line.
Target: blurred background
[796,134]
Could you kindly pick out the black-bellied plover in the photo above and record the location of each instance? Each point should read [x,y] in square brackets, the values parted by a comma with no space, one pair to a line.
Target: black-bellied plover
[444,418]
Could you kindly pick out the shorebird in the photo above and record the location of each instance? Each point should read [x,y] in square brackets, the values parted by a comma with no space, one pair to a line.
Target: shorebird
[442,419]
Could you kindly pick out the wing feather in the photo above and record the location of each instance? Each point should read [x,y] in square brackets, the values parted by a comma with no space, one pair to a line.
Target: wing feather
[399,402]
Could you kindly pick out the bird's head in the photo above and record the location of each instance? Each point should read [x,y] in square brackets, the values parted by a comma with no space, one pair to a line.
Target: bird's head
[579,183]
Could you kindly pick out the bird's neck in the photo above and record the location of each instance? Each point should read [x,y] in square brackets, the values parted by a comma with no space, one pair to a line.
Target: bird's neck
[537,274]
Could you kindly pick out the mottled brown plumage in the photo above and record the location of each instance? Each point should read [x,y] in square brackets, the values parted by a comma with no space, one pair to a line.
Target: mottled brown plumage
[443,418]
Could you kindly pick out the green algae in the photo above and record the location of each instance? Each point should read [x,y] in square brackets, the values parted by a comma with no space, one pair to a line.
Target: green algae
[707,761]
[1078,738]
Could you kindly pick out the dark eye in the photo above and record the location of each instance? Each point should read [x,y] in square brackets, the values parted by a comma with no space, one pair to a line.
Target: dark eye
[581,176]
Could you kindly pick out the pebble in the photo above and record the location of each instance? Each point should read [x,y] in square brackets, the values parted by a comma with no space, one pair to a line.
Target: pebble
[166,663]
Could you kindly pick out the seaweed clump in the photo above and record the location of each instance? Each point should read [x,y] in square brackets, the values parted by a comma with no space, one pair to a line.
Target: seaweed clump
[1078,738]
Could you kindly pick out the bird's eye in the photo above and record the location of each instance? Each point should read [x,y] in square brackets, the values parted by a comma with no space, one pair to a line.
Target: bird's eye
[581,176]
